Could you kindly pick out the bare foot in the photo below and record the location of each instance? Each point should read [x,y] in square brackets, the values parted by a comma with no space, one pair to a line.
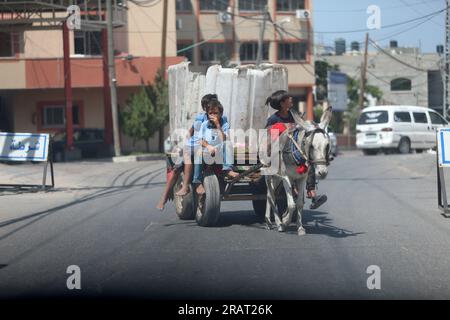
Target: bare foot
[311,194]
[232,174]
[183,191]
[200,189]
[160,205]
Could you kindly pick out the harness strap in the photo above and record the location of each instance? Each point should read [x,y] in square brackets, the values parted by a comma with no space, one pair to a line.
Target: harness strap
[298,147]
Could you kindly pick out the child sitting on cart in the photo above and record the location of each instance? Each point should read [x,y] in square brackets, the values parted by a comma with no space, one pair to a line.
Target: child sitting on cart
[213,138]
[188,155]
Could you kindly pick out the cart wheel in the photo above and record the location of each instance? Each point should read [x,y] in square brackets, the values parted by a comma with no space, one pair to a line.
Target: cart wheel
[184,206]
[208,205]
[259,206]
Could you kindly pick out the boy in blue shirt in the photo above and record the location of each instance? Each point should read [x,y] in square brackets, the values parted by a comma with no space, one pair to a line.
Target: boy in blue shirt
[213,134]
[188,154]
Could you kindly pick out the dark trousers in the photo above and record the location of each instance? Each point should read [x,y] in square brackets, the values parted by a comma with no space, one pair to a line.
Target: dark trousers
[311,181]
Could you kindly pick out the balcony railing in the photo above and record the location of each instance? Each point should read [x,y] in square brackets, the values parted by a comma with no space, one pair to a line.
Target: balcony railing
[51,12]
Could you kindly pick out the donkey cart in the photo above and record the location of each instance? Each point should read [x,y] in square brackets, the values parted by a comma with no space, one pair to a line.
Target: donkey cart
[242,91]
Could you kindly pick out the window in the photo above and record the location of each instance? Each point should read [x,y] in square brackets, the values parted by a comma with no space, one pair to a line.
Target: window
[214,5]
[292,51]
[54,116]
[252,5]
[401,84]
[437,119]
[373,117]
[88,42]
[420,117]
[189,53]
[402,117]
[6,45]
[290,5]
[184,5]
[248,51]
[215,52]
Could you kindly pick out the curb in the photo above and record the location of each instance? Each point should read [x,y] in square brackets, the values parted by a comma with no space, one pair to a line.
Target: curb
[144,157]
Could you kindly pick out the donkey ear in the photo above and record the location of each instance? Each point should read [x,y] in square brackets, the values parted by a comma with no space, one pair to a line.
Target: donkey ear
[326,118]
[298,119]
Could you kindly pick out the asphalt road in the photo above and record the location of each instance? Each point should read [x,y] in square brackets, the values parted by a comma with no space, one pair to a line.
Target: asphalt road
[381,210]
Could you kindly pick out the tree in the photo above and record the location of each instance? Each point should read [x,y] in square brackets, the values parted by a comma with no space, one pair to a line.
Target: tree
[146,111]
[352,114]
[321,70]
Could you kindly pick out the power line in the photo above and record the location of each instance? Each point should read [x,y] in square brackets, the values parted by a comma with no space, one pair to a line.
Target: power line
[386,26]
[395,58]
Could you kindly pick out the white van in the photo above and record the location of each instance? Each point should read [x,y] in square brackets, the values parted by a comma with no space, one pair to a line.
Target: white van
[401,128]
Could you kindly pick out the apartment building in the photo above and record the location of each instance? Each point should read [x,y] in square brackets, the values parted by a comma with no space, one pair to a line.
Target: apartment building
[32,78]
[228,31]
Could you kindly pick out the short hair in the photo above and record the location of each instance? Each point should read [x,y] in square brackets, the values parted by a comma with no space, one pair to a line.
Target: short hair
[206,99]
[214,103]
[277,98]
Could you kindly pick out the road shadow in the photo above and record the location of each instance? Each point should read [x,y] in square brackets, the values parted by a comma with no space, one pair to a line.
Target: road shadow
[318,222]
[314,222]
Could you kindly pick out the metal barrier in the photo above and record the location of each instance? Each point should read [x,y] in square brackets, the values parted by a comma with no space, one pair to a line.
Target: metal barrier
[28,147]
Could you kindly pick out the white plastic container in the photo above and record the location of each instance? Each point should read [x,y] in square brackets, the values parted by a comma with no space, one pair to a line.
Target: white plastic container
[241,90]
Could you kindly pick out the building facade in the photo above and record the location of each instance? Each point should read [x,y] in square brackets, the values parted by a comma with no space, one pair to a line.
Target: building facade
[404,75]
[228,31]
[32,95]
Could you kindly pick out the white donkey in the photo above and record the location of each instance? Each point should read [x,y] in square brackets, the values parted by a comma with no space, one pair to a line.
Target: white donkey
[309,141]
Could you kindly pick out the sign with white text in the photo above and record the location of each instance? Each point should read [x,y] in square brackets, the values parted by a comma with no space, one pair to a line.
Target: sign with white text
[23,146]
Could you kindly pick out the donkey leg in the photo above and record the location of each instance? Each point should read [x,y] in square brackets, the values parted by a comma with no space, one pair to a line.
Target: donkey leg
[300,203]
[270,202]
[276,213]
[290,201]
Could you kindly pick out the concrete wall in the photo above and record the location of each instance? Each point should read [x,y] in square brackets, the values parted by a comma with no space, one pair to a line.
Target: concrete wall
[382,69]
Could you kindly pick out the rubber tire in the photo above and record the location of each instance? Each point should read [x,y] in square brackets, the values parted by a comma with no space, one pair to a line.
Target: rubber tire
[419,150]
[208,213]
[184,206]
[404,147]
[259,206]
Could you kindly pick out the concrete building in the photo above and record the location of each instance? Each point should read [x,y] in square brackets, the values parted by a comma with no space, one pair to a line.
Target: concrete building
[32,70]
[404,75]
[227,32]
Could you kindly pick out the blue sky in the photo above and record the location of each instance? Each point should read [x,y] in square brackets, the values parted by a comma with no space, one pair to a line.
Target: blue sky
[334,16]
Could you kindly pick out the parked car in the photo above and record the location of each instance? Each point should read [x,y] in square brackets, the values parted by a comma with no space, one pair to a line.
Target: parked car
[401,128]
[90,142]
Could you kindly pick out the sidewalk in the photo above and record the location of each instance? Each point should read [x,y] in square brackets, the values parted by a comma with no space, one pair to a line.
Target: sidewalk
[73,181]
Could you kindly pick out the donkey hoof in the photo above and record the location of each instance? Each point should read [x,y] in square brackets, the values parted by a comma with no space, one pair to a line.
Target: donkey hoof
[281,228]
[301,231]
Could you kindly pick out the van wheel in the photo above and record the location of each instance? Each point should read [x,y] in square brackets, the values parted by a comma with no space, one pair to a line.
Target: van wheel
[404,146]
[419,150]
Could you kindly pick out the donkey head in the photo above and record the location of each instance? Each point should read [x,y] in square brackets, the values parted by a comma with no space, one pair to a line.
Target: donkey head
[317,141]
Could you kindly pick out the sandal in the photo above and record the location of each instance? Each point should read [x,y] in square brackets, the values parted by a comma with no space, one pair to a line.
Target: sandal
[318,201]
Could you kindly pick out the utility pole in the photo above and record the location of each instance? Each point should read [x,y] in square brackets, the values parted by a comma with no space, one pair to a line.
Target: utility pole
[259,57]
[362,87]
[112,78]
[162,69]
[446,62]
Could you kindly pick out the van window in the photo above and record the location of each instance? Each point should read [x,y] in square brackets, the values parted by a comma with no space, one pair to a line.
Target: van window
[373,117]
[420,117]
[436,119]
[402,117]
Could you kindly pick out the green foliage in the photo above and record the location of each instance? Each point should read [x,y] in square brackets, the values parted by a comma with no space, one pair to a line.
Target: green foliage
[352,114]
[321,70]
[146,111]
